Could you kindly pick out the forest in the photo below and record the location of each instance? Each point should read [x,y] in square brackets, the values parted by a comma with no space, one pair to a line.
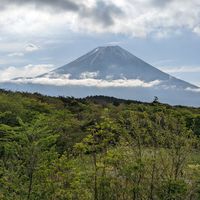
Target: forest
[97,148]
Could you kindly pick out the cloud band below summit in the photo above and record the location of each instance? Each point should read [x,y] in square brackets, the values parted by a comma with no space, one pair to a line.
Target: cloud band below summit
[88,82]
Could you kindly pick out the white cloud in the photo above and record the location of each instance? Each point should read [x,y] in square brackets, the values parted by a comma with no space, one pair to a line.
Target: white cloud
[109,77]
[31,47]
[181,69]
[193,89]
[17,49]
[26,71]
[138,18]
[16,54]
[197,30]
[86,75]
[113,43]
[64,80]
[163,62]
[10,46]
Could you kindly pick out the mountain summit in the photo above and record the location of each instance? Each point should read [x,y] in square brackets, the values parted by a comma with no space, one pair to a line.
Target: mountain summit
[113,63]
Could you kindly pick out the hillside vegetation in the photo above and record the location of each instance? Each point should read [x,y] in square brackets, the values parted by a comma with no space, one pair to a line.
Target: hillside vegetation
[97,148]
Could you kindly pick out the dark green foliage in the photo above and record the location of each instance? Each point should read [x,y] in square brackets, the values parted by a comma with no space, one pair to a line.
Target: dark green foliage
[99,148]
[9,118]
[196,125]
[173,190]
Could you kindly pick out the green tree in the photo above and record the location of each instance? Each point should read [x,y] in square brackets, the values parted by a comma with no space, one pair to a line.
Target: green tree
[101,136]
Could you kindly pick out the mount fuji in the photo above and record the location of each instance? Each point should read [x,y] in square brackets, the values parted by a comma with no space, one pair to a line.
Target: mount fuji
[110,71]
[115,63]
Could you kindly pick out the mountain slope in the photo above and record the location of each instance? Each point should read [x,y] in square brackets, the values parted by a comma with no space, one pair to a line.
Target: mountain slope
[112,63]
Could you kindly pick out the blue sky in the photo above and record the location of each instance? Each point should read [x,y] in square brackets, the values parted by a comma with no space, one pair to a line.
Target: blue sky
[37,36]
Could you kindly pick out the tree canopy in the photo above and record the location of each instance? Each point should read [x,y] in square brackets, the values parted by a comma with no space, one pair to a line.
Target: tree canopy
[97,148]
